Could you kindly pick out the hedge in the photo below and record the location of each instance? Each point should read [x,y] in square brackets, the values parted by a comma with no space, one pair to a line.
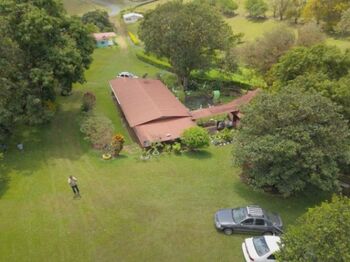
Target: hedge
[153,60]
[134,38]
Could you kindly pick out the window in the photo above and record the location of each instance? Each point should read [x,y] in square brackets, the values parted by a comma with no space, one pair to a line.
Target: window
[248,221]
[260,245]
[239,214]
[259,222]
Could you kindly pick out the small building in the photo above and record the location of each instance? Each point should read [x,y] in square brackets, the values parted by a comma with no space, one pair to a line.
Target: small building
[153,113]
[132,17]
[104,39]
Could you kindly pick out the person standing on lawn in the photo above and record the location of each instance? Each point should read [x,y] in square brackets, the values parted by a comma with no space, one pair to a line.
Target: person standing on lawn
[73,182]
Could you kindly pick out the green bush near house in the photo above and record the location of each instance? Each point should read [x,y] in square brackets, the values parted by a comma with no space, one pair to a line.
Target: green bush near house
[195,138]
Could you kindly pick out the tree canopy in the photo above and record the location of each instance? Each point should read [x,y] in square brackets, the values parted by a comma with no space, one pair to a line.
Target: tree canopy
[343,27]
[326,11]
[264,52]
[322,234]
[292,139]
[256,8]
[190,35]
[53,51]
[99,18]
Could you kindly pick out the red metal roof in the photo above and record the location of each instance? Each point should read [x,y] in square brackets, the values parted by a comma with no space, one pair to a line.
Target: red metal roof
[144,100]
[225,108]
[163,130]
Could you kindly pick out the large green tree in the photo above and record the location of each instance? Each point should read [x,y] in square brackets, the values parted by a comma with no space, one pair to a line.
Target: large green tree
[322,234]
[55,51]
[264,52]
[99,18]
[190,35]
[292,139]
[343,27]
[323,68]
[327,11]
[256,8]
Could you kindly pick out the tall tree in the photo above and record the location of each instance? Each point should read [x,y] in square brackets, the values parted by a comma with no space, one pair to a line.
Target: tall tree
[256,8]
[295,9]
[292,139]
[265,51]
[280,7]
[56,50]
[190,35]
[327,11]
[322,234]
[98,18]
[343,27]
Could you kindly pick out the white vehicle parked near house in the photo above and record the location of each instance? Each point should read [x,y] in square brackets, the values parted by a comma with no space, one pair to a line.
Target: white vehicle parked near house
[261,248]
[127,75]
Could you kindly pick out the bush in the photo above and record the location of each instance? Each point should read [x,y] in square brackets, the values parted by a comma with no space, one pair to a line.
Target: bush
[153,60]
[117,144]
[134,38]
[99,18]
[195,138]
[97,129]
[89,101]
[177,148]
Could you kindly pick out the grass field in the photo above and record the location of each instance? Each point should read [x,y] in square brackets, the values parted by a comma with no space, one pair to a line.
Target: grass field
[161,210]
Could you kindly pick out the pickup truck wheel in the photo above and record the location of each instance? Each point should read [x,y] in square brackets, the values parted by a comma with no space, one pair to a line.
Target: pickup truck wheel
[228,231]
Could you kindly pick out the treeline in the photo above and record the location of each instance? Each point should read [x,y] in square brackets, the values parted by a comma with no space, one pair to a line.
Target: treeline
[43,51]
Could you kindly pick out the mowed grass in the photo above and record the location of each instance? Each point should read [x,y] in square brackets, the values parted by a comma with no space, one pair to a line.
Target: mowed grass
[79,7]
[161,210]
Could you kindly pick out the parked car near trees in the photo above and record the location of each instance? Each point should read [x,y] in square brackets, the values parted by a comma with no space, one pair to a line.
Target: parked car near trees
[261,248]
[248,219]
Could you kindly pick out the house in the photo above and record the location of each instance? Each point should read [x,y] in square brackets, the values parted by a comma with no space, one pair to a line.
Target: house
[152,112]
[132,17]
[104,39]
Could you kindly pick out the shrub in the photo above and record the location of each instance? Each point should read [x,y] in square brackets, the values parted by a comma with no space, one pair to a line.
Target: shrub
[195,138]
[256,8]
[134,38]
[176,148]
[99,18]
[89,101]
[153,60]
[117,144]
[97,129]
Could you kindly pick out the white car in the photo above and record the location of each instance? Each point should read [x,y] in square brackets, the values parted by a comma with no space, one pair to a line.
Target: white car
[127,75]
[261,248]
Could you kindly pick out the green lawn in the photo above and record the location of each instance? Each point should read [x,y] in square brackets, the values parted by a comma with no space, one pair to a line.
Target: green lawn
[161,210]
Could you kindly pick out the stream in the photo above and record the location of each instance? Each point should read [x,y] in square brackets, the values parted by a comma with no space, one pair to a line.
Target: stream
[114,6]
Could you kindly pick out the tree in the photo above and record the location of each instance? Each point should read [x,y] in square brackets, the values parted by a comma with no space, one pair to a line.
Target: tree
[256,8]
[343,26]
[228,7]
[99,18]
[190,35]
[295,9]
[89,101]
[328,60]
[55,48]
[292,139]
[98,130]
[280,8]
[11,86]
[195,138]
[264,52]
[310,34]
[322,234]
[327,11]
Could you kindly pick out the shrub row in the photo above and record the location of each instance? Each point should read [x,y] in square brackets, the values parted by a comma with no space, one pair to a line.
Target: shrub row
[134,38]
[152,60]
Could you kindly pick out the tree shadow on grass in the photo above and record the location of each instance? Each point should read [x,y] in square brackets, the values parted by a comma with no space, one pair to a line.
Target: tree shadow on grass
[201,154]
[60,139]
[259,20]
[289,208]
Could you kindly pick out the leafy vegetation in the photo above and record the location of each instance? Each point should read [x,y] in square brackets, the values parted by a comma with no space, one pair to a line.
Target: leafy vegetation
[89,102]
[134,38]
[319,235]
[256,8]
[98,18]
[291,140]
[189,36]
[195,138]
